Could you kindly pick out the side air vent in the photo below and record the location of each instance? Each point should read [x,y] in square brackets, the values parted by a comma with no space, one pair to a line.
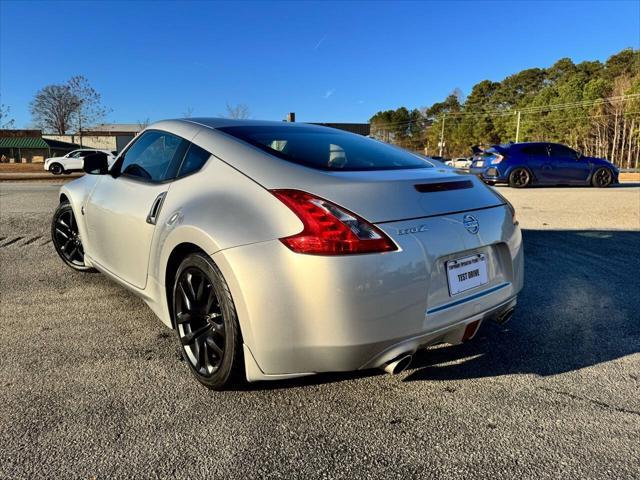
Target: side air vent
[444,186]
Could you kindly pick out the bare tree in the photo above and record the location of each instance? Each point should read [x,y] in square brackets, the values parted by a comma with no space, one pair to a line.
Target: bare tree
[53,107]
[6,122]
[142,124]
[188,113]
[238,112]
[90,109]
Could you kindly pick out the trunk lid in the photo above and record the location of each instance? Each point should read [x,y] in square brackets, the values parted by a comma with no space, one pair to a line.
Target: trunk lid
[392,195]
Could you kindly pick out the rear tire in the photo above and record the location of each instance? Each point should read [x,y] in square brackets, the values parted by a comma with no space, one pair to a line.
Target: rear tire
[519,178]
[56,169]
[207,323]
[602,178]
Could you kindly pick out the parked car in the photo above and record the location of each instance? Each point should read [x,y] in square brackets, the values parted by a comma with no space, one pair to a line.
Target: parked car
[524,164]
[460,162]
[73,161]
[279,250]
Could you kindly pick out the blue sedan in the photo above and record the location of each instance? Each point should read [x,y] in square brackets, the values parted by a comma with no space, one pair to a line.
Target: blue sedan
[524,164]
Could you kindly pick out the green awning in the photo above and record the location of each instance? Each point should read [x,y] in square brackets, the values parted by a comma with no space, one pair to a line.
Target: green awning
[23,142]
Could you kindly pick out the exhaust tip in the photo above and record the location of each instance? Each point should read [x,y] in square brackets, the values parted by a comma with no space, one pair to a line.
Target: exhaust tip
[398,365]
[505,316]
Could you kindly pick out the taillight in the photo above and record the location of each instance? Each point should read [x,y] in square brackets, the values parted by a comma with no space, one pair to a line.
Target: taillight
[497,159]
[330,229]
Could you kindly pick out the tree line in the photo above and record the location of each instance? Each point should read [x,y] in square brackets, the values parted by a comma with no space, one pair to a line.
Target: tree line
[591,106]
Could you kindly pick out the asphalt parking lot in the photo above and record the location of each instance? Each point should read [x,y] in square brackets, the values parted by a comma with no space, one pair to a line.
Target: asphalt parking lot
[93,386]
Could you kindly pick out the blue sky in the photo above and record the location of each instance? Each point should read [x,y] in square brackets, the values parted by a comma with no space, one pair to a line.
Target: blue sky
[326,61]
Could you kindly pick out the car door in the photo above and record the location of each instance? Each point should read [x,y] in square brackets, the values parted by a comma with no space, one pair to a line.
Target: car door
[537,159]
[122,208]
[568,167]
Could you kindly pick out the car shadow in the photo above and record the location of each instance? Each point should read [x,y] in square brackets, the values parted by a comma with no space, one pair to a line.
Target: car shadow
[579,308]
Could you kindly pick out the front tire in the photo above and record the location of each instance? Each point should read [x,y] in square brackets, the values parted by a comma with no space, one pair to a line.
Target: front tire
[602,178]
[56,169]
[519,178]
[66,239]
[207,323]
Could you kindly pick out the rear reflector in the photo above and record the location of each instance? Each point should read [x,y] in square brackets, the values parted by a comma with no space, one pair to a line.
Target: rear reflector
[470,331]
[329,229]
[444,186]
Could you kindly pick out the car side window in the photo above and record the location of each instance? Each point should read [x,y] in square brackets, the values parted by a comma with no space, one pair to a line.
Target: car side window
[194,159]
[154,157]
[535,150]
[560,151]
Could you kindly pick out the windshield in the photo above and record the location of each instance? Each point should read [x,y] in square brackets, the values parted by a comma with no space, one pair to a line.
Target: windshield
[327,149]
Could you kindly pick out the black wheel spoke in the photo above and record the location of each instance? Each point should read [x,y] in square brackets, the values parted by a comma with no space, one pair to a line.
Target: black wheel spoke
[211,299]
[184,317]
[210,341]
[201,359]
[188,301]
[191,291]
[60,231]
[190,337]
[200,290]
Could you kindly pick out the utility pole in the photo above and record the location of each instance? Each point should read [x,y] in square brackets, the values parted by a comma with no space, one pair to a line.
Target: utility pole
[518,128]
[442,136]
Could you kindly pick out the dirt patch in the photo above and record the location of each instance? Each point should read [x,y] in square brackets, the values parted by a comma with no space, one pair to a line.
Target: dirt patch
[21,167]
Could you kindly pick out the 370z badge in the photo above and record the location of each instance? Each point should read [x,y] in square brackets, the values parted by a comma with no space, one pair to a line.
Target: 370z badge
[418,229]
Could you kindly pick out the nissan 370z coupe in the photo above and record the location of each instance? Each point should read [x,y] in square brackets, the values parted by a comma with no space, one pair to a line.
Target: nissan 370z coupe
[278,250]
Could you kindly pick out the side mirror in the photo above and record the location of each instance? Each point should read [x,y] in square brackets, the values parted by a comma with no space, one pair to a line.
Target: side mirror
[578,155]
[96,164]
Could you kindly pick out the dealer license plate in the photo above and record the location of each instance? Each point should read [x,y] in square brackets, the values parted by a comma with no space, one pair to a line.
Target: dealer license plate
[466,273]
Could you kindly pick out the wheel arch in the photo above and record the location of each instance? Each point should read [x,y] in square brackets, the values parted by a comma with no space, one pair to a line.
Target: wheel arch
[180,243]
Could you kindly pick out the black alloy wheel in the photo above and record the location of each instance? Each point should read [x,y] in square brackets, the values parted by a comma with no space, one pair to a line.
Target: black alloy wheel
[66,238]
[56,169]
[206,322]
[602,178]
[519,178]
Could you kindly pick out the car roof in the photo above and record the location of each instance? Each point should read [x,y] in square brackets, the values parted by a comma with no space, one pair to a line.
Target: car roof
[214,122]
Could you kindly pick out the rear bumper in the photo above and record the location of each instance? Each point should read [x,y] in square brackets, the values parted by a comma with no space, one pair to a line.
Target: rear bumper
[305,314]
[489,174]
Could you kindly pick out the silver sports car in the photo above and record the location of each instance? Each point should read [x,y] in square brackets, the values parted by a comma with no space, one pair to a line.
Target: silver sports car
[277,250]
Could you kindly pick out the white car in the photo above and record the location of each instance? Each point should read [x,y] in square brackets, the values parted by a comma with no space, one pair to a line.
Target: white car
[278,250]
[73,161]
[461,162]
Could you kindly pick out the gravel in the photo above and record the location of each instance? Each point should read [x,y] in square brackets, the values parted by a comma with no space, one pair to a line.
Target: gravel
[92,384]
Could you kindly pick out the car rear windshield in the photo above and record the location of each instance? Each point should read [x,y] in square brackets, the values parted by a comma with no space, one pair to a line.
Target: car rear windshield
[326,149]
